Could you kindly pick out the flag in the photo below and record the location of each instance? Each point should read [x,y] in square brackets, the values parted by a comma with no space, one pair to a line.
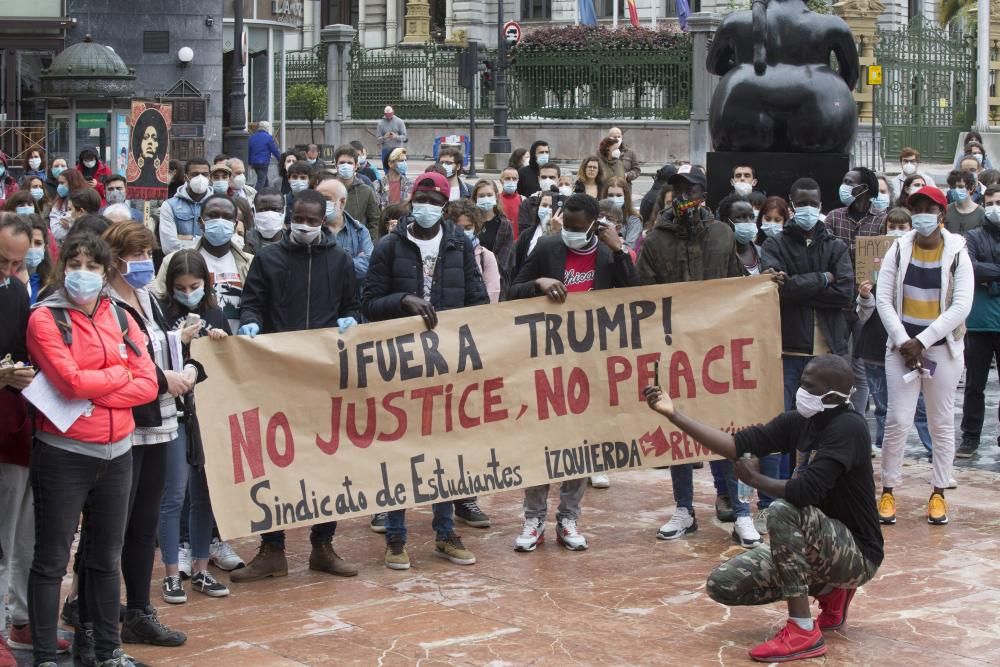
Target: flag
[683,12]
[587,14]
[633,13]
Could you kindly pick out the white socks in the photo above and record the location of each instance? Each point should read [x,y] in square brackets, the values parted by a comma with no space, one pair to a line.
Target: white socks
[804,623]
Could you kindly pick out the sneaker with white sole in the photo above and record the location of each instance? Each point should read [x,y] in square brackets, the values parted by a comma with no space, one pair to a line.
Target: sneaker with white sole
[680,524]
[377,523]
[600,481]
[568,535]
[223,557]
[173,590]
[184,560]
[760,520]
[204,582]
[745,534]
[468,511]
[532,535]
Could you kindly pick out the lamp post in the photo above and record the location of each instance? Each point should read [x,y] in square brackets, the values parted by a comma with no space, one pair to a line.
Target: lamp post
[500,142]
[235,140]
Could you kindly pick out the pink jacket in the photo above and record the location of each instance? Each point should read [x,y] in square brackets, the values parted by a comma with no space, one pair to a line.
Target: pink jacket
[490,270]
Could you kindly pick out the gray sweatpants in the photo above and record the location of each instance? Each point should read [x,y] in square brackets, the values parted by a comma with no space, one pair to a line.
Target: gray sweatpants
[17,534]
[536,500]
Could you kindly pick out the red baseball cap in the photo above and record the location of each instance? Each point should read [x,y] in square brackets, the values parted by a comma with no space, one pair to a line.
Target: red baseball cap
[932,193]
[431,181]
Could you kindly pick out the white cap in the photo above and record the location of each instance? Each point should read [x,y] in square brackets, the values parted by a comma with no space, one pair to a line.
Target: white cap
[388,109]
[264,125]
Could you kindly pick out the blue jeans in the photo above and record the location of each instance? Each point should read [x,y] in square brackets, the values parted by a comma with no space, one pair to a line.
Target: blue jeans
[727,485]
[443,522]
[261,170]
[880,394]
[181,477]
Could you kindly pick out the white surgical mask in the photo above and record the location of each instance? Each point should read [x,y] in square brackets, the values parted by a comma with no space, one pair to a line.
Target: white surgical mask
[303,234]
[896,233]
[90,164]
[510,187]
[239,181]
[486,203]
[909,168]
[619,201]
[298,185]
[742,188]
[575,240]
[269,223]
[925,223]
[565,190]
[199,184]
[771,229]
[993,213]
[809,405]
[34,162]
[427,215]
[332,211]
[616,153]
[546,184]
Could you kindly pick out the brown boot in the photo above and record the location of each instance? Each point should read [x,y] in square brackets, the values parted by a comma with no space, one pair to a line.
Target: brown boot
[269,562]
[324,559]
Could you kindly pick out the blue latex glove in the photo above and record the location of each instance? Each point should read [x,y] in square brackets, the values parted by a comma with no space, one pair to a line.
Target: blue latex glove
[345,323]
[250,330]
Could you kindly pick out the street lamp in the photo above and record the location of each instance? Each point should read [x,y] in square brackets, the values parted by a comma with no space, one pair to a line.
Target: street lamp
[235,140]
[500,142]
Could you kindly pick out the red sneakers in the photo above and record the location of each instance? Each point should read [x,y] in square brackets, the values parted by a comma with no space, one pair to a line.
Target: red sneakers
[833,608]
[791,643]
[20,638]
[6,657]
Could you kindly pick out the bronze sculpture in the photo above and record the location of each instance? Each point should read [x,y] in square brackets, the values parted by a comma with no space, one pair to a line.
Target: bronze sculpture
[778,92]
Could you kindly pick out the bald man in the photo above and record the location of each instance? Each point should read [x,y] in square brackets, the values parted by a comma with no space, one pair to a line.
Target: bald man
[350,234]
[825,537]
[626,155]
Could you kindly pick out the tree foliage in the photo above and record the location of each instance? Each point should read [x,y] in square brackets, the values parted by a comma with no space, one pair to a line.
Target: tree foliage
[310,99]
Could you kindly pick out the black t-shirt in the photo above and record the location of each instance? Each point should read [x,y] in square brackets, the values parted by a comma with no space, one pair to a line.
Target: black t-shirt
[14,304]
[838,479]
[488,237]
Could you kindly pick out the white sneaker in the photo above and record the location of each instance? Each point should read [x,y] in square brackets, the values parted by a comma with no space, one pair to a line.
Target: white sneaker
[184,560]
[532,534]
[223,557]
[600,481]
[680,524]
[568,535]
[760,521]
[745,534]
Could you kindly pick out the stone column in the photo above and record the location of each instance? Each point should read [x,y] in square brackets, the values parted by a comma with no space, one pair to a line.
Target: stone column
[391,22]
[702,26]
[337,39]
[861,16]
[418,22]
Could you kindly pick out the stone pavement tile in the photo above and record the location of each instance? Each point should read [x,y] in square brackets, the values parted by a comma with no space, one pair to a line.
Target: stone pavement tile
[220,654]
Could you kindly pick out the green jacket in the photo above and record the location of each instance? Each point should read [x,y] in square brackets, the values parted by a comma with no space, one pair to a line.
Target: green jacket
[680,252]
[363,206]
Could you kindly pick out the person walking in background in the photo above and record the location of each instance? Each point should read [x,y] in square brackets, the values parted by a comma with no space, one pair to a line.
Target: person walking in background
[624,153]
[261,147]
[390,133]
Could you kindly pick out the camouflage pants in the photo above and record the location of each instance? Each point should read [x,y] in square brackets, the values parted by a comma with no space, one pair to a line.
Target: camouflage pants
[808,552]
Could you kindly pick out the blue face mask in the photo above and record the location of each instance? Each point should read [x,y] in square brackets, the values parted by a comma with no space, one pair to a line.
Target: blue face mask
[219,231]
[618,201]
[745,231]
[139,273]
[37,193]
[298,185]
[847,195]
[881,202]
[771,229]
[3,170]
[959,194]
[56,171]
[925,223]
[486,203]
[62,190]
[427,215]
[401,168]
[806,217]
[542,159]
[191,299]
[83,286]
[34,258]
[24,210]
[345,170]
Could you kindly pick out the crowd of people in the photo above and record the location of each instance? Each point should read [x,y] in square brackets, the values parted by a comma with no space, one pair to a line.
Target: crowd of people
[101,303]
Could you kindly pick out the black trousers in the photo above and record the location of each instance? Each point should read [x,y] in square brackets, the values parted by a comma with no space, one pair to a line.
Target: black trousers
[981,348]
[62,482]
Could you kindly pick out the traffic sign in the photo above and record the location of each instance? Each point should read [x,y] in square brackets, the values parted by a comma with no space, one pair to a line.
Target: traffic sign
[874,75]
[512,32]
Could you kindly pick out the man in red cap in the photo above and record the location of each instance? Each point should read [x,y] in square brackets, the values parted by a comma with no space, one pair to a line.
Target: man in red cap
[425,265]
[924,293]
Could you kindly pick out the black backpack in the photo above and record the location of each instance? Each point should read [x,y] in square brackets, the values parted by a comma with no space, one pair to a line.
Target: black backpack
[65,324]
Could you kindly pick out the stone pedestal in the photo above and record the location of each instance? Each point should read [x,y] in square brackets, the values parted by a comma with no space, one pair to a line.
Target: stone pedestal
[417,22]
[777,171]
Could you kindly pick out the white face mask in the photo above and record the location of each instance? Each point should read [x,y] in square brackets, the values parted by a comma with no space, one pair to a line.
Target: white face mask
[199,184]
[239,181]
[332,211]
[269,223]
[616,153]
[576,240]
[565,190]
[993,213]
[90,164]
[896,233]
[546,184]
[909,168]
[809,405]
[303,234]
[34,162]
[742,188]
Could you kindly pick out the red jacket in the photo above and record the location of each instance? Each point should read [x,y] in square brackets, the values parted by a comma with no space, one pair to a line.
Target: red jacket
[92,368]
[101,173]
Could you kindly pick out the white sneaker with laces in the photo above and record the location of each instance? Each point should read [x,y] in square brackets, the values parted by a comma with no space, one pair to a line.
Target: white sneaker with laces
[600,481]
[760,521]
[568,535]
[184,560]
[680,524]
[532,534]
[745,534]
[223,557]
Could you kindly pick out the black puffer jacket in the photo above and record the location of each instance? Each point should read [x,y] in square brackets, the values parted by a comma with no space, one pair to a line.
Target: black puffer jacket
[291,287]
[806,290]
[396,270]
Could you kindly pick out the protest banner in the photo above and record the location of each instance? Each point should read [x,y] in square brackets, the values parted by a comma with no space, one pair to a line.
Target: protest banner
[868,254]
[314,426]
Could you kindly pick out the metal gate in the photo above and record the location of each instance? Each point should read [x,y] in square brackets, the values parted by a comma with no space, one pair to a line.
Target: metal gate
[929,94]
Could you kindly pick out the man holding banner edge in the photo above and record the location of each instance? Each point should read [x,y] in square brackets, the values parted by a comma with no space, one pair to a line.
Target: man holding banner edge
[825,537]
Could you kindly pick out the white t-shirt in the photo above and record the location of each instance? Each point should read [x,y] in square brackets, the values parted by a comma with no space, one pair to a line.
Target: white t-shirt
[456,193]
[228,285]
[429,256]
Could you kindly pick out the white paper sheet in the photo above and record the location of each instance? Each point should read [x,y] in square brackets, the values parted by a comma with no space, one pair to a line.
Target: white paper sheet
[61,411]
[176,352]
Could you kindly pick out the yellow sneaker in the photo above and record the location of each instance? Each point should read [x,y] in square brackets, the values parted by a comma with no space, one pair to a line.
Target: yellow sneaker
[937,510]
[887,509]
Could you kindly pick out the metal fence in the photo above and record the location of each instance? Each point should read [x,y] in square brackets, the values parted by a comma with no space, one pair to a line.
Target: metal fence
[594,82]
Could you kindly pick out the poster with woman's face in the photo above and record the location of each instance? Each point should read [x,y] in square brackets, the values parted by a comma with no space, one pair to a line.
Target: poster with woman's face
[149,155]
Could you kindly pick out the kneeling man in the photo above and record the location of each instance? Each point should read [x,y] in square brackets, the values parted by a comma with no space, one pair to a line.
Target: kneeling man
[825,539]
